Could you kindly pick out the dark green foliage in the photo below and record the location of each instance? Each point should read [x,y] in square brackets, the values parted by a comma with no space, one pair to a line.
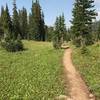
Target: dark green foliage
[1,30]
[36,23]
[56,43]
[2,13]
[67,36]
[12,45]
[42,28]
[31,34]
[1,23]
[84,50]
[32,28]
[60,31]
[23,23]
[36,17]
[15,21]
[49,33]
[83,40]
[7,24]
[95,28]
[77,41]
[98,32]
[11,42]
[83,13]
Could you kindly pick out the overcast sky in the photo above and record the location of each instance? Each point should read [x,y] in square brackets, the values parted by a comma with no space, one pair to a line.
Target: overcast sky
[51,8]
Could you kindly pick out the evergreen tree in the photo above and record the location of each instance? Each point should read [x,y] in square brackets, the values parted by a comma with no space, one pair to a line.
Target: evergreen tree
[56,35]
[23,23]
[31,28]
[7,24]
[60,31]
[49,33]
[98,32]
[1,31]
[83,13]
[1,23]
[68,35]
[63,28]
[15,21]
[37,22]
[37,18]
[11,41]
[42,28]
[2,14]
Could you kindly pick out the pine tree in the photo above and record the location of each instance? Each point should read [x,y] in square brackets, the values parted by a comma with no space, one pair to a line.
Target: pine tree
[98,32]
[2,14]
[36,14]
[23,23]
[31,28]
[15,21]
[1,31]
[83,14]
[11,42]
[56,36]
[42,28]
[36,22]
[62,28]
[1,23]
[60,31]
[49,33]
[7,24]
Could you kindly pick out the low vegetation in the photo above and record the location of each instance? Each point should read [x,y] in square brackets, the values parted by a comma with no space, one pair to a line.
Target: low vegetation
[35,73]
[89,66]
[12,45]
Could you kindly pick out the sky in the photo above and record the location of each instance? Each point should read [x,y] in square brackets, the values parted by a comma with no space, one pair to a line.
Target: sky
[51,8]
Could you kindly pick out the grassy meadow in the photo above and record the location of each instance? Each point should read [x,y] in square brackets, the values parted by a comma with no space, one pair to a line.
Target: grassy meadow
[33,74]
[37,72]
[89,66]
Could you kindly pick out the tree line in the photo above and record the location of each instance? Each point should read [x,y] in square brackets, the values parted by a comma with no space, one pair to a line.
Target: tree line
[84,31]
[20,26]
[27,27]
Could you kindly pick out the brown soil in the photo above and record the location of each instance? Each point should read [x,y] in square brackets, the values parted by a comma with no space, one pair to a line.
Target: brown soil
[77,87]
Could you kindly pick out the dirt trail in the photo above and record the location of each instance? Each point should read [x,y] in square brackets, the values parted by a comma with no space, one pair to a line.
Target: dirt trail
[77,87]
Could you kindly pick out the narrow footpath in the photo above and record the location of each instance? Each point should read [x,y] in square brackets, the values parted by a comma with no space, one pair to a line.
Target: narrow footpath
[77,87]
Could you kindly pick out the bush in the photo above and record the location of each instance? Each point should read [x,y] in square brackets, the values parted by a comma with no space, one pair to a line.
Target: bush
[56,44]
[12,45]
[85,40]
[77,42]
[84,50]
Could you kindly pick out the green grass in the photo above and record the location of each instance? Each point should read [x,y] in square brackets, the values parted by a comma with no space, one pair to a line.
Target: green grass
[89,66]
[34,74]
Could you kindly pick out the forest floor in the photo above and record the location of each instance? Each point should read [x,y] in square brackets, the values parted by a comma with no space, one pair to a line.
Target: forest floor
[77,87]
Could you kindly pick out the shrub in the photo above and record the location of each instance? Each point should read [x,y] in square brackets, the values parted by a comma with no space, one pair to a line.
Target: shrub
[85,40]
[84,50]
[77,42]
[56,44]
[12,45]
